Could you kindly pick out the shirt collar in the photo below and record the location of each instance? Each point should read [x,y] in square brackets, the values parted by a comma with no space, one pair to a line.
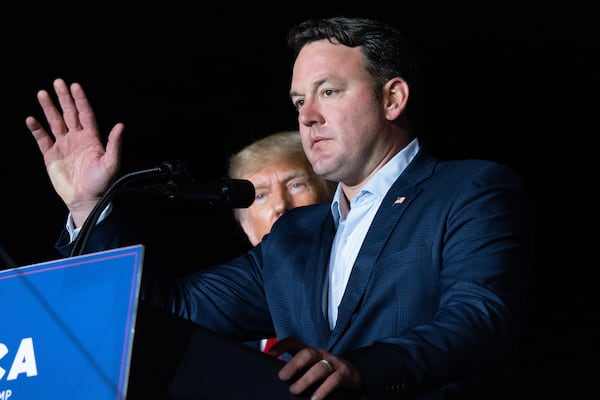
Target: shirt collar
[380,183]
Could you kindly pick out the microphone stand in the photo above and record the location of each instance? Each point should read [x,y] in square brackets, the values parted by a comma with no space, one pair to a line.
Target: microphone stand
[166,169]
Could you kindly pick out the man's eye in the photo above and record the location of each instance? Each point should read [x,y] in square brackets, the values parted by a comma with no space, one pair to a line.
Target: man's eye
[297,187]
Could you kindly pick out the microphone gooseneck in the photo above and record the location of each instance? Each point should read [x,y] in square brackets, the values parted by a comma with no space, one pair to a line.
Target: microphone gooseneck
[172,180]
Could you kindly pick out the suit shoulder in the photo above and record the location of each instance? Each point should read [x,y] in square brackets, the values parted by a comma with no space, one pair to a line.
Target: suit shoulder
[308,213]
[478,169]
[303,218]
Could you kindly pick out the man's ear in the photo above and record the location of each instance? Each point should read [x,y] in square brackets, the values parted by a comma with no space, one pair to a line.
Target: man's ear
[395,94]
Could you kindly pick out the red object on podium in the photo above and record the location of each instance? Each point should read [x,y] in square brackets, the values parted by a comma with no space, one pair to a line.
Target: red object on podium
[269,343]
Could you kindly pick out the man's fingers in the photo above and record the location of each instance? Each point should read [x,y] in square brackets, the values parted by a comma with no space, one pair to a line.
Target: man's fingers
[53,116]
[70,111]
[86,117]
[319,377]
[43,140]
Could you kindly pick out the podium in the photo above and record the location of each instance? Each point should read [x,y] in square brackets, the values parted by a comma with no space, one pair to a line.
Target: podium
[68,325]
[215,368]
[68,328]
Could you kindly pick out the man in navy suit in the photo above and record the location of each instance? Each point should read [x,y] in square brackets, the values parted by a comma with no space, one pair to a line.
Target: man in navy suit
[410,284]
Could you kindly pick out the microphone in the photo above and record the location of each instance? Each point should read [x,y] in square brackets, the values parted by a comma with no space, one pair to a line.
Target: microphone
[234,193]
[177,183]
[174,181]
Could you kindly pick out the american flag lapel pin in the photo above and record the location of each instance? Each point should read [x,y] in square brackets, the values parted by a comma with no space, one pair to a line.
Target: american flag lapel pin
[399,200]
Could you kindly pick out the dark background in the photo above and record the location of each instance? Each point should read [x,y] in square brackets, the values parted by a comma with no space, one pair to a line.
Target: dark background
[513,83]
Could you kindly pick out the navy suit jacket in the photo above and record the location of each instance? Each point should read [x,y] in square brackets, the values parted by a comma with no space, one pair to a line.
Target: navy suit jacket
[434,300]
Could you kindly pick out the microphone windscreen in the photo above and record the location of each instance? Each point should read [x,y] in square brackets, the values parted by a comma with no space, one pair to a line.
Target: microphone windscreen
[240,193]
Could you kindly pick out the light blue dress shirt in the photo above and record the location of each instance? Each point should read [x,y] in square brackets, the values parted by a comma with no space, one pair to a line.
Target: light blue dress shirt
[352,223]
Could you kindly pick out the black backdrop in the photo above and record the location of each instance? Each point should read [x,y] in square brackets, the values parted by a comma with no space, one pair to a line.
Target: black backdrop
[516,84]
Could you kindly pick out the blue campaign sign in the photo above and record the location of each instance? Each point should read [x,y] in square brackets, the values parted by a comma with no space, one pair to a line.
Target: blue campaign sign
[67,326]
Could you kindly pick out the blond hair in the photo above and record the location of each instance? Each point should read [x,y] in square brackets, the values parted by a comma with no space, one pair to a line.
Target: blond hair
[276,147]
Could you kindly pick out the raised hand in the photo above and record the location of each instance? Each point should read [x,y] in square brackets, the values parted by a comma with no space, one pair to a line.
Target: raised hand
[78,163]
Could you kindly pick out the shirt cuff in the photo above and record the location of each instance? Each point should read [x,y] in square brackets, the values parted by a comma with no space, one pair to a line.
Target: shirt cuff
[74,231]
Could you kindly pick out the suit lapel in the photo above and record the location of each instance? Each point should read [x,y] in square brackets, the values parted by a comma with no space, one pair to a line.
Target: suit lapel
[402,193]
[318,261]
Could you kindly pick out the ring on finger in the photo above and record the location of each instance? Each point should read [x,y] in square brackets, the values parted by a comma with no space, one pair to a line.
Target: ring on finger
[327,365]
